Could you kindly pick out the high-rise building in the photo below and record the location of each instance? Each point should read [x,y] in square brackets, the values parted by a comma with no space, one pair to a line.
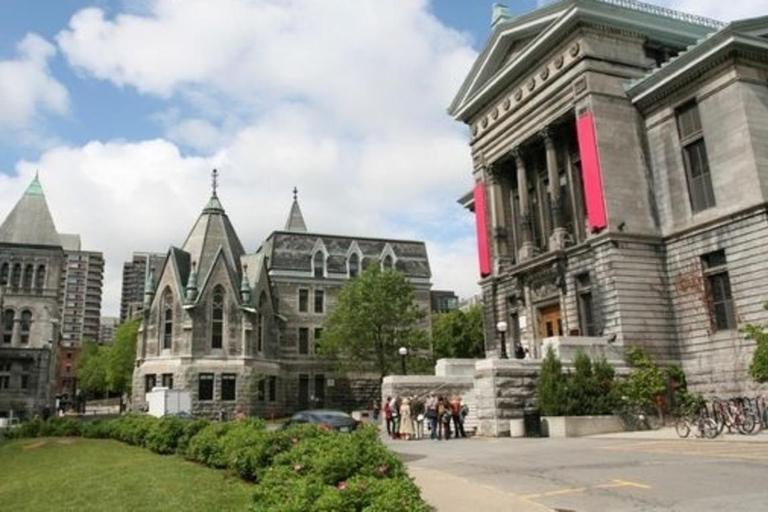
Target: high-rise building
[82,279]
[134,275]
[107,331]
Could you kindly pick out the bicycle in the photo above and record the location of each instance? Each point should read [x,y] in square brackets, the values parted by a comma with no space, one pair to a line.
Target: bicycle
[705,426]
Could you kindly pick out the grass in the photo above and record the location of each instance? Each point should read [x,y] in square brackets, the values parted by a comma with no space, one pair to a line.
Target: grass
[93,474]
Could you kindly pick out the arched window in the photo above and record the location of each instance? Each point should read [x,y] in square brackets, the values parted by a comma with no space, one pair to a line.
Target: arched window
[167,318]
[318,264]
[29,273]
[8,317]
[40,278]
[387,264]
[217,317]
[261,326]
[25,326]
[4,271]
[353,265]
[16,277]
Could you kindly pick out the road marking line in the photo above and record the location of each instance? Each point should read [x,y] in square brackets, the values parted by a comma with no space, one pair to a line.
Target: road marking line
[615,484]
[631,484]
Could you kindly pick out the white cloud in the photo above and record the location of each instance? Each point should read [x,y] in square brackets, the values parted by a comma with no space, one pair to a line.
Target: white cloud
[26,85]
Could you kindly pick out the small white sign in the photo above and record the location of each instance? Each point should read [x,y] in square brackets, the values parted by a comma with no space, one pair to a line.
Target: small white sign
[523,321]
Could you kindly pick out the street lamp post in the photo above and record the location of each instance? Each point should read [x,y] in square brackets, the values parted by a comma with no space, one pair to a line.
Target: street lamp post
[502,328]
[403,352]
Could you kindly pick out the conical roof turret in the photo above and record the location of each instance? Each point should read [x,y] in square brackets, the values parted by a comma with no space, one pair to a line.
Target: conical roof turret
[295,222]
[30,222]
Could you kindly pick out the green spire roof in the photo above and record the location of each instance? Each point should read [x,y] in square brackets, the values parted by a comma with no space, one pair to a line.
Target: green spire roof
[34,188]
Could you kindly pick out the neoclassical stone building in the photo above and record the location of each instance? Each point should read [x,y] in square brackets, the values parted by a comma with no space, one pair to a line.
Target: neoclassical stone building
[621,165]
[241,329]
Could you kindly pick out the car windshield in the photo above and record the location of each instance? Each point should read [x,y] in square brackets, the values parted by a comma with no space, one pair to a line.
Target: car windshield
[329,415]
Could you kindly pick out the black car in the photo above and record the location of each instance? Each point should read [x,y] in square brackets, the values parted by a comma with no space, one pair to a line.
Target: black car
[336,420]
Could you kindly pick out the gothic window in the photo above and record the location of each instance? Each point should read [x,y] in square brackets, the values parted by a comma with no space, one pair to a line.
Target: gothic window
[353,265]
[40,278]
[387,264]
[29,272]
[25,326]
[8,325]
[167,318]
[4,271]
[261,327]
[702,195]
[16,277]
[217,317]
[318,264]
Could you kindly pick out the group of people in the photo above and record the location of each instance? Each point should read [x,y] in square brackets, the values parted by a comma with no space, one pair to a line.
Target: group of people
[407,417]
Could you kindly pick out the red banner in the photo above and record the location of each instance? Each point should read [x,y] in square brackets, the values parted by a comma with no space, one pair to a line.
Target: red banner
[483,251]
[590,173]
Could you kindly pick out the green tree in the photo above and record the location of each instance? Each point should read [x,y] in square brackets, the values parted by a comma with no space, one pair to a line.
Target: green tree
[645,382]
[457,334]
[121,357]
[551,385]
[375,314]
[758,368]
[91,368]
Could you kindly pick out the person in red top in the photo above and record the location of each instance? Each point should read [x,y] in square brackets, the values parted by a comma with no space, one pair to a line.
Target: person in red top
[388,416]
[458,419]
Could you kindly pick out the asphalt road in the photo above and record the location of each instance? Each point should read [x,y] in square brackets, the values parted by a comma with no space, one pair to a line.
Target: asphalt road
[599,474]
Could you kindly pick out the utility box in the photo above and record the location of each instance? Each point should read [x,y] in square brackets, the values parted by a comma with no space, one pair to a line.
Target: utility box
[168,402]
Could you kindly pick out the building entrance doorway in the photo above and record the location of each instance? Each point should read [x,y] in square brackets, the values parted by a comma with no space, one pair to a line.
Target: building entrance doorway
[550,324]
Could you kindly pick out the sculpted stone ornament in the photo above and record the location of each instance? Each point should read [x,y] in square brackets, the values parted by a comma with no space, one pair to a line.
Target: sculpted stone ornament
[507,104]
[531,84]
[544,74]
[575,49]
[518,95]
[495,113]
[559,61]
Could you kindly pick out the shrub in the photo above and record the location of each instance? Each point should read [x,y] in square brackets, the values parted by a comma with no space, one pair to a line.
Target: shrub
[644,383]
[164,435]
[206,447]
[550,388]
[191,429]
[132,428]
[99,429]
[758,368]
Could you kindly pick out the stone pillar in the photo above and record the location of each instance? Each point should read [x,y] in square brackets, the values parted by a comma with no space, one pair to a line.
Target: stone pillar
[527,249]
[558,237]
[498,224]
[503,389]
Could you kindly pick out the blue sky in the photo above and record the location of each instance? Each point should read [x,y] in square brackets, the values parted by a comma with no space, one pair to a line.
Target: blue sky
[125,106]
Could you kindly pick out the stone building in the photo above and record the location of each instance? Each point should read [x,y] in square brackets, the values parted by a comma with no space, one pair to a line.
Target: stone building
[621,165]
[240,329]
[31,261]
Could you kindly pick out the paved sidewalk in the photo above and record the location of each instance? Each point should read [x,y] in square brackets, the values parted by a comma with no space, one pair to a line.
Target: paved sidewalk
[449,493]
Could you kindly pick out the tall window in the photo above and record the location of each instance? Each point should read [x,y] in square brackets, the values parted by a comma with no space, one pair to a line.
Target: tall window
[167,318]
[318,335]
[719,291]
[25,326]
[16,277]
[5,375]
[24,377]
[695,157]
[387,264]
[228,386]
[354,265]
[303,340]
[150,381]
[261,390]
[272,388]
[318,264]
[303,300]
[168,380]
[320,390]
[205,386]
[261,326]
[29,273]
[8,320]
[217,317]
[585,305]
[40,278]
[4,274]
[319,301]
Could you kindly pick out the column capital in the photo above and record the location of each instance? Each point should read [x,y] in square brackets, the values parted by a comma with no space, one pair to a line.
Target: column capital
[517,153]
[546,134]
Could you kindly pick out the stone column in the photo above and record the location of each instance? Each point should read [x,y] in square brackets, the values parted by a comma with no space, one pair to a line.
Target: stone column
[498,219]
[527,249]
[558,237]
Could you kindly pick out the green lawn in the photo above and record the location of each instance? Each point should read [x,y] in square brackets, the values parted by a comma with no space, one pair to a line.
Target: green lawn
[90,474]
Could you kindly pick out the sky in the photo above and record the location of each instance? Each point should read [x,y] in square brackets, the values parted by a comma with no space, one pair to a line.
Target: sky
[125,106]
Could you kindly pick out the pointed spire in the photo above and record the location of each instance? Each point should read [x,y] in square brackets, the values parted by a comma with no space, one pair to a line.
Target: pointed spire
[245,288]
[30,222]
[191,291]
[149,287]
[295,220]
[214,205]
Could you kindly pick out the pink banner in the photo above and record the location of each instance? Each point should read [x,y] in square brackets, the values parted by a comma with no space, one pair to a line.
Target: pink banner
[590,173]
[483,251]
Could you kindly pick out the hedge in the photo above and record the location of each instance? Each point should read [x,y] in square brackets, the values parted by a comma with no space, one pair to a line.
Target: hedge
[298,469]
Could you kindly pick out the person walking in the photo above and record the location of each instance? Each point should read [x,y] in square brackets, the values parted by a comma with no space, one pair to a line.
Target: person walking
[430,412]
[457,417]
[406,421]
[444,419]
[417,412]
[394,407]
[388,416]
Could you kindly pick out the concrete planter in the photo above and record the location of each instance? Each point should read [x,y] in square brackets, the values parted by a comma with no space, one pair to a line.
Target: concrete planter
[516,428]
[579,426]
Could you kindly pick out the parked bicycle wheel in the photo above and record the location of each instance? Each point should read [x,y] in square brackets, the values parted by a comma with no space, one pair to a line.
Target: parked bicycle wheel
[683,427]
[708,428]
[748,424]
